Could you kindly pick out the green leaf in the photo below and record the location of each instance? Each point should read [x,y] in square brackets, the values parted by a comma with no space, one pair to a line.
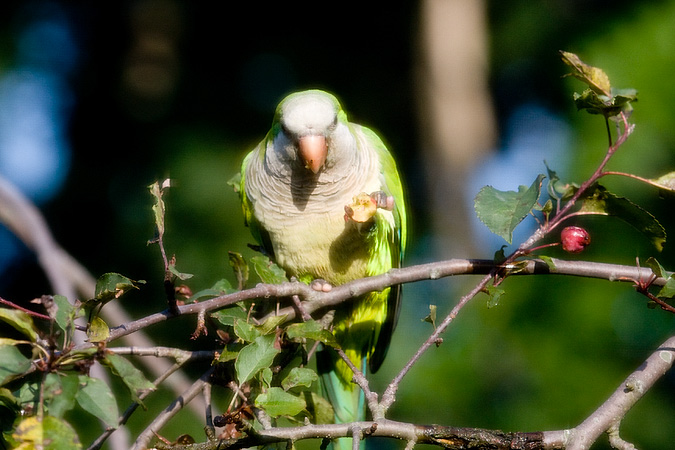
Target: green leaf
[271,324]
[547,208]
[600,98]
[21,321]
[668,290]
[431,318]
[28,393]
[594,77]
[8,341]
[60,392]
[268,272]
[319,408]
[311,330]
[502,211]
[98,330]
[13,363]
[299,376]
[266,376]
[248,332]
[494,295]
[240,268]
[228,354]
[228,316]
[553,180]
[219,288]
[95,397]
[130,375]
[9,401]
[277,402]
[50,433]
[74,356]
[180,275]
[255,356]
[665,182]
[158,208]
[65,314]
[549,262]
[111,286]
[601,201]
[245,331]
[656,267]
[595,103]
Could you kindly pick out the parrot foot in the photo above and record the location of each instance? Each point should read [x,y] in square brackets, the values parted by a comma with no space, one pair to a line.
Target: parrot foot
[382,200]
[321,285]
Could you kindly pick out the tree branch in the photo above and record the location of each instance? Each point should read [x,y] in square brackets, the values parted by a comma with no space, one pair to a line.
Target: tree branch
[609,415]
[448,437]
[186,397]
[70,279]
[315,300]
[605,419]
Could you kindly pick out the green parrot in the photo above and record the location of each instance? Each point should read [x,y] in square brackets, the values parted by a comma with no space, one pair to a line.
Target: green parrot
[323,198]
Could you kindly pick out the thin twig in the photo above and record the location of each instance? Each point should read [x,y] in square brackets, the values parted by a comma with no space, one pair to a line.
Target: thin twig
[26,310]
[361,380]
[162,418]
[69,278]
[599,171]
[389,395]
[298,304]
[624,397]
[181,356]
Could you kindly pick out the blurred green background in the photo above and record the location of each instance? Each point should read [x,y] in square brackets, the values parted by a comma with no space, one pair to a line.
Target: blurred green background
[100,99]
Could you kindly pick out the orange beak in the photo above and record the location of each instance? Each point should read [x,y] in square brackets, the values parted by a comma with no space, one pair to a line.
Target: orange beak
[313,151]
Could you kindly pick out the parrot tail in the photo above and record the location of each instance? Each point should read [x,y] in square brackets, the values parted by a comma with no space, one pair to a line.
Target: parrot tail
[347,398]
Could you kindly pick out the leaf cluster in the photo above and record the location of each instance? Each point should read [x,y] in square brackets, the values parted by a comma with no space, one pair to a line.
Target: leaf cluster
[269,360]
[600,97]
[45,375]
[503,211]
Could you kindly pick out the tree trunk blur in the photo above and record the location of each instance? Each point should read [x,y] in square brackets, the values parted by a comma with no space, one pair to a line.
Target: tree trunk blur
[455,113]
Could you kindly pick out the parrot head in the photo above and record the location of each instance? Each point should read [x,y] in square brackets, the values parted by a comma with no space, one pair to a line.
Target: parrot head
[309,120]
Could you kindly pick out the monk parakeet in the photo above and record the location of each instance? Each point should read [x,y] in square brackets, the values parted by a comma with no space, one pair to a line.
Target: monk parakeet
[322,196]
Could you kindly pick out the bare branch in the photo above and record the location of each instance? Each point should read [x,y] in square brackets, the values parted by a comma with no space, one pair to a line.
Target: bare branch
[608,416]
[315,300]
[181,357]
[178,354]
[389,395]
[447,437]
[144,438]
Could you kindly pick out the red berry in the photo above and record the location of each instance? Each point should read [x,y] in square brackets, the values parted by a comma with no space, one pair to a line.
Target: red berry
[574,239]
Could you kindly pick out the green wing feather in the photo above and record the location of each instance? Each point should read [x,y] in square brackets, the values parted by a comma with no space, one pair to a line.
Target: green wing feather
[259,234]
[364,329]
[391,241]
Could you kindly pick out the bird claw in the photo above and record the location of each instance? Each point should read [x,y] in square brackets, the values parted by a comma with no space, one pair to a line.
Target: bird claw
[382,200]
[321,285]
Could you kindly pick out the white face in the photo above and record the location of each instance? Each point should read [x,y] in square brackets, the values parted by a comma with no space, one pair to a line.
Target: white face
[309,114]
[312,114]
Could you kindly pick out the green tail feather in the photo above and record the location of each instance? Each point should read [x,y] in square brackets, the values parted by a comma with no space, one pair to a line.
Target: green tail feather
[347,398]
